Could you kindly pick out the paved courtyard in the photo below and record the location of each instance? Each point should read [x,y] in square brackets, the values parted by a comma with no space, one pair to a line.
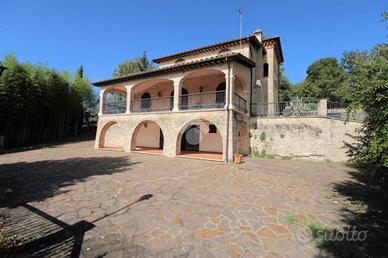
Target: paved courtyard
[140,205]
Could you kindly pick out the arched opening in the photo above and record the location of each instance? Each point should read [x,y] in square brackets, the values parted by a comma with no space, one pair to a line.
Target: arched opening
[114,100]
[111,136]
[243,140]
[152,95]
[202,85]
[200,139]
[265,70]
[145,101]
[241,94]
[184,99]
[148,138]
[220,95]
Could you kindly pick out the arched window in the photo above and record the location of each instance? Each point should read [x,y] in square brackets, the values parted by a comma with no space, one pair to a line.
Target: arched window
[145,101]
[180,60]
[220,95]
[265,70]
[224,50]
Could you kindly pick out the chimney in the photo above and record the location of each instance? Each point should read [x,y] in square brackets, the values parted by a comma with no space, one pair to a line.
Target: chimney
[259,34]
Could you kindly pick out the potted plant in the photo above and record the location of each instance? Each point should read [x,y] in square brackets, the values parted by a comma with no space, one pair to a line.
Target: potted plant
[237,158]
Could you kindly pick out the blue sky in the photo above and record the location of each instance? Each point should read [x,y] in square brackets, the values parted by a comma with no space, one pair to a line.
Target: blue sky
[100,34]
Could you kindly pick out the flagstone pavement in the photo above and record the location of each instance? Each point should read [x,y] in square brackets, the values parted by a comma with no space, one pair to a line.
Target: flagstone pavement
[190,208]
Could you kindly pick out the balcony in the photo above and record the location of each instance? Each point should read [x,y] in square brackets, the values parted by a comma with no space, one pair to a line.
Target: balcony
[205,100]
[115,107]
[152,104]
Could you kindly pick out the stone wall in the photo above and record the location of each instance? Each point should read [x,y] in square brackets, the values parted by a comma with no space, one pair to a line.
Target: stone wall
[304,138]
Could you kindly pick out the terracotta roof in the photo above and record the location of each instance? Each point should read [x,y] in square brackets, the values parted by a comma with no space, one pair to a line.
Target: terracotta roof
[222,58]
[211,47]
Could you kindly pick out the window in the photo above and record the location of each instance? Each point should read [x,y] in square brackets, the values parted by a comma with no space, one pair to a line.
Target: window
[212,128]
[224,50]
[180,60]
[265,70]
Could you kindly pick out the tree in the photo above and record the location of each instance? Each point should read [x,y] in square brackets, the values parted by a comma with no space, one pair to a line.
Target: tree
[325,79]
[136,65]
[369,80]
[38,104]
[80,72]
[287,90]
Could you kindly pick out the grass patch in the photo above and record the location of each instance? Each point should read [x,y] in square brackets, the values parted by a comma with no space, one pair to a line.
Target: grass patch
[7,242]
[328,240]
[263,136]
[261,154]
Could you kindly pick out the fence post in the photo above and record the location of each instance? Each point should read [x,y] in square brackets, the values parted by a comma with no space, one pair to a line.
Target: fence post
[322,107]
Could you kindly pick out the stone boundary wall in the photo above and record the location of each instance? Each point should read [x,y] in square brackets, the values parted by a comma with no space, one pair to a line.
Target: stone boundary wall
[312,138]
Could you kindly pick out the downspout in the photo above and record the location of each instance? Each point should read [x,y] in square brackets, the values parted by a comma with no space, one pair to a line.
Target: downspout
[227,114]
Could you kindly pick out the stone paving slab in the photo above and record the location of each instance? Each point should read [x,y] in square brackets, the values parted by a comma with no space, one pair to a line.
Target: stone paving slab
[197,208]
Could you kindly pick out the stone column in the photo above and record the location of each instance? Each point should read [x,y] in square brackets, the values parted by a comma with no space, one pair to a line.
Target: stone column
[129,99]
[177,93]
[229,81]
[102,101]
[322,107]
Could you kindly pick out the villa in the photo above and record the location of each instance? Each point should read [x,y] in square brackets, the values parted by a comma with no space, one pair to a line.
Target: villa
[197,103]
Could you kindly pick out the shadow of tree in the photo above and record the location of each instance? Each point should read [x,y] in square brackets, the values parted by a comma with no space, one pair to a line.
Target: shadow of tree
[365,209]
[39,234]
[35,181]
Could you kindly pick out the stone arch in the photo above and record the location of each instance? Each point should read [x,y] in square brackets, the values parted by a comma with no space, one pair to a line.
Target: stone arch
[211,142]
[243,140]
[208,79]
[241,86]
[111,136]
[147,135]
[114,100]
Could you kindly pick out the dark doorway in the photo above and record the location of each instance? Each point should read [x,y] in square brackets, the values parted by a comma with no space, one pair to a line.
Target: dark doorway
[190,139]
[184,99]
[145,101]
[161,140]
[172,100]
[220,95]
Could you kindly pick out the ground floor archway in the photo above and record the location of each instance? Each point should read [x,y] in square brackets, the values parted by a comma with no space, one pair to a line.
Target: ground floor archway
[148,138]
[111,136]
[200,139]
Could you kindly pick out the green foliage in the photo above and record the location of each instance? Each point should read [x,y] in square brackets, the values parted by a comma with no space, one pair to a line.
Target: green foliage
[139,64]
[80,72]
[325,79]
[287,91]
[369,81]
[263,136]
[261,154]
[38,104]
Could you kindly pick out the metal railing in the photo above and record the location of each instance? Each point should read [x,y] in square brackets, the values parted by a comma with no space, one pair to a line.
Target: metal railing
[340,110]
[115,107]
[152,104]
[205,100]
[240,103]
[296,108]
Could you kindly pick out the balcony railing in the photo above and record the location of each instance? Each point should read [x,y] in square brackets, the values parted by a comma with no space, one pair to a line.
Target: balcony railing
[152,104]
[240,103]
[340,110]
[205,100]
[297,108]
[115,107]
